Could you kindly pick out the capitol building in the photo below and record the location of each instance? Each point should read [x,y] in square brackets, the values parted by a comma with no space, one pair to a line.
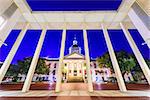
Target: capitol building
[74,67]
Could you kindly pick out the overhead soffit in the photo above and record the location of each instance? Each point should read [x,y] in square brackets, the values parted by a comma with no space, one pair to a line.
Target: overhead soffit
[111,17]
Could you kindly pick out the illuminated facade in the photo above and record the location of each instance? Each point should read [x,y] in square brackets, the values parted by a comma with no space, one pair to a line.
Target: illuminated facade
[74,67]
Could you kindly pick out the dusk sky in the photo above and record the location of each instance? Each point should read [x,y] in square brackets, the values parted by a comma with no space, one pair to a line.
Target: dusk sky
[51,46]
[74,5]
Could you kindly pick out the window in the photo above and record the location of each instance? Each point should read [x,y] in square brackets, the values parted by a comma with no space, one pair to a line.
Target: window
[80,71]
[2,20]
[69,71]
[65,64]
[54,72]
[49,65]
[95,65]
[55,65]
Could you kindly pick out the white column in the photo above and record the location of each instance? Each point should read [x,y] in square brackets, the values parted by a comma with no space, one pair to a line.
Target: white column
[78,69]
[12,53]
[83,71]
[67,70]
[59,71]
[35,59]
[87,57]
[82,66]
[114,61]
[72,69]
[137,53]
[139,24]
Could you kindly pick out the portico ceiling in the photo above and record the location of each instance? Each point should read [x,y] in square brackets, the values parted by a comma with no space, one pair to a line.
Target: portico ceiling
[111,17]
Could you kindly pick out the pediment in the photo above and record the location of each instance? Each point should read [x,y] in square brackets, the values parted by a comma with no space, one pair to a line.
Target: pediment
[74,56]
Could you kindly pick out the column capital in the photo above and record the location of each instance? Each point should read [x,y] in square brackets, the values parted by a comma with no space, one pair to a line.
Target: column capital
[84,25]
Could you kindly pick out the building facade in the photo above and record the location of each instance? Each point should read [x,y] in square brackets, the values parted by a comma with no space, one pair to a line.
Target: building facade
[74,67]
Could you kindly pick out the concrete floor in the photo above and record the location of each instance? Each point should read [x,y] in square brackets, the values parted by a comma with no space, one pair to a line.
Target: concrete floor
[75,91]
[40,93]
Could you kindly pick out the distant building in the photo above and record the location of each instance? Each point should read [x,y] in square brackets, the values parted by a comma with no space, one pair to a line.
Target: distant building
[74,67]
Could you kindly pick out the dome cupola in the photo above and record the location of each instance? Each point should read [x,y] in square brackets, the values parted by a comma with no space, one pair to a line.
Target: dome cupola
[75,48]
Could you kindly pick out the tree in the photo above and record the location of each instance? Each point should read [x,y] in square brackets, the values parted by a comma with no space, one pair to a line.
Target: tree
[24,65]
[41,67]
[126,61]
[12,72]
[127,64]
[148,62]
[104,60]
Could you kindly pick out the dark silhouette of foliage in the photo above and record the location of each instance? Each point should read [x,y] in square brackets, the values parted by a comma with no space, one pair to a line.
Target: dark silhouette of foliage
[127,63]
[41,67]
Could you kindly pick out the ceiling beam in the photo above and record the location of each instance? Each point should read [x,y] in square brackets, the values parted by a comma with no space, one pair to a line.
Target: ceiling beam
[122,11]
[26,12]
[145,5]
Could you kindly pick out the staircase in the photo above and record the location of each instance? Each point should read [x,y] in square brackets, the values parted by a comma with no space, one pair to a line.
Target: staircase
[74,86]
[75,79]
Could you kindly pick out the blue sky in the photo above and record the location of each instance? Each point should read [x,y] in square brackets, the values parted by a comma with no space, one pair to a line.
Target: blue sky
[52,43]
[74,5]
